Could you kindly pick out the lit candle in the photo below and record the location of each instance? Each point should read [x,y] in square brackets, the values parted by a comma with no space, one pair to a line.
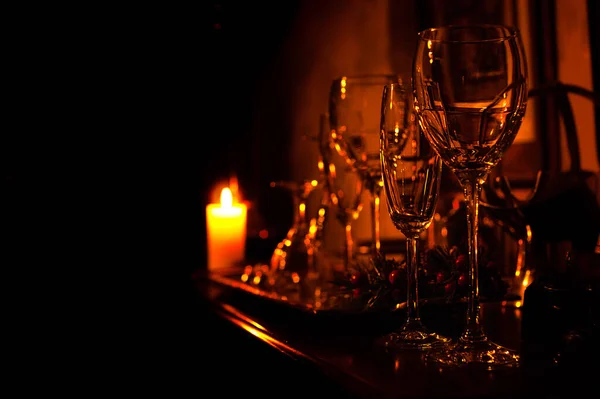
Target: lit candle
[226,232]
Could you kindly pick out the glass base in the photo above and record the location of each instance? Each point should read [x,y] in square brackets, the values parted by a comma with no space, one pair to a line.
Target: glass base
[414,336]
[291,286]
[483,354]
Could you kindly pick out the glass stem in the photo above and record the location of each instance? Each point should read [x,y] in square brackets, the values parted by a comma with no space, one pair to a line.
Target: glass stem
[349,242]
[322,215]
[473,331]
[375,219]
[412,272]
[298,210]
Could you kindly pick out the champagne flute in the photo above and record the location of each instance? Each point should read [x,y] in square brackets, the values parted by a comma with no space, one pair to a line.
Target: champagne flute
[470,88]
[354,104]
[411,181]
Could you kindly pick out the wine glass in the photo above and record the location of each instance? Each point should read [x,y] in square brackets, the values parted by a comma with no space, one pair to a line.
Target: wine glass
[343,187]
[293,266]
[411,181]
[470,89]
[354,104]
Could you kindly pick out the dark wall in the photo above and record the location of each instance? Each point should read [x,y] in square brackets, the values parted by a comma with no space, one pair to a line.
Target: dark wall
[594,27]
[434,13]
[241,110]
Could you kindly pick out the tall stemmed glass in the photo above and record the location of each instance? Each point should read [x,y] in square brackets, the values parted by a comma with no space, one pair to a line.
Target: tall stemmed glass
[470,88]
[354,104]
[411,181]
[343,187]
[293,266]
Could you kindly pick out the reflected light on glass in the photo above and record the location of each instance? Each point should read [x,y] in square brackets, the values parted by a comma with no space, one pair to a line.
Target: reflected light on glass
[334,199]
[526,278]
[295,278]
[321,166]
[520,257]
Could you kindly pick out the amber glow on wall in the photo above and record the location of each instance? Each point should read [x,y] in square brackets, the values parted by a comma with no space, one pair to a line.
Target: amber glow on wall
[575,67]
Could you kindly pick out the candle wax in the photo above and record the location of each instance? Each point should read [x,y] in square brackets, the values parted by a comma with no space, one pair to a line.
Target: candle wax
[226,233]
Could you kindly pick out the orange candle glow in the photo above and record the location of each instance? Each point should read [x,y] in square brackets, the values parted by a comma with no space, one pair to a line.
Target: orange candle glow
[226,232]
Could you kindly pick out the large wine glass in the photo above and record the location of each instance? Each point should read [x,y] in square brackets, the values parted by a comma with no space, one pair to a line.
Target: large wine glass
[354,104]
[343,187]
[470,89]
[411,181]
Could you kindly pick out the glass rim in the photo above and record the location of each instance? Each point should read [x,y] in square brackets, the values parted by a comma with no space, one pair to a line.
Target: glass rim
[511,33]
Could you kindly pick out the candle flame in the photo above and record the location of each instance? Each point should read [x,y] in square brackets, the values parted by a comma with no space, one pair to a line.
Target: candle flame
[226,198]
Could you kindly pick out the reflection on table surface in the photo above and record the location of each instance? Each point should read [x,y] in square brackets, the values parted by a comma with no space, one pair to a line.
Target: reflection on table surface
[343,345]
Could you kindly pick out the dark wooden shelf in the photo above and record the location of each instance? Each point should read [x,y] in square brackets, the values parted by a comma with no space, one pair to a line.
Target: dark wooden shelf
[342,347]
